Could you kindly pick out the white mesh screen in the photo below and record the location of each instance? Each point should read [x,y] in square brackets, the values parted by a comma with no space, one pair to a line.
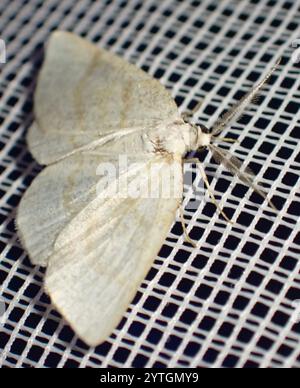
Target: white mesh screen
[232,302]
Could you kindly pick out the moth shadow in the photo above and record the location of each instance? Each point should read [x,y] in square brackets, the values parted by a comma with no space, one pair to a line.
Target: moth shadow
[29,83]
[23,167]
[26,164]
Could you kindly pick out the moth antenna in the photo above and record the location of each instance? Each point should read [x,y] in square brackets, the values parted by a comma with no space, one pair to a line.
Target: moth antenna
[237,110]
[225,140]
[235,166]
[256,99]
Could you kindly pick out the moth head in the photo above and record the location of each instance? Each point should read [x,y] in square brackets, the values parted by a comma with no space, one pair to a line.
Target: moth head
[204,138]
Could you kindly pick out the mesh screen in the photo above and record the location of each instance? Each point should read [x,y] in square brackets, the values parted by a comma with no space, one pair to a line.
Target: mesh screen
[233,301]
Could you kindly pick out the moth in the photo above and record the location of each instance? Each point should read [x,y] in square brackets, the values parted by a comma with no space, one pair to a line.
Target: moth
[97,243]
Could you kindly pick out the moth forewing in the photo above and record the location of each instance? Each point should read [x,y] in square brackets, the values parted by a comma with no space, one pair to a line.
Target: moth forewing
[105,252]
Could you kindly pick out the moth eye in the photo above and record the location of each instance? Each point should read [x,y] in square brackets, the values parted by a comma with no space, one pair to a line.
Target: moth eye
[195,132]
[205,130]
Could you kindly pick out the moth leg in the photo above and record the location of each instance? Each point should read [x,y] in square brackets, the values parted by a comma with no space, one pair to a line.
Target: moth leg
[191,160]
[211,194]
[189,114]
[186,235]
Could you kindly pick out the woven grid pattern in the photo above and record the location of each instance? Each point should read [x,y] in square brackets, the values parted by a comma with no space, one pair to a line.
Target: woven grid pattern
[230,302]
